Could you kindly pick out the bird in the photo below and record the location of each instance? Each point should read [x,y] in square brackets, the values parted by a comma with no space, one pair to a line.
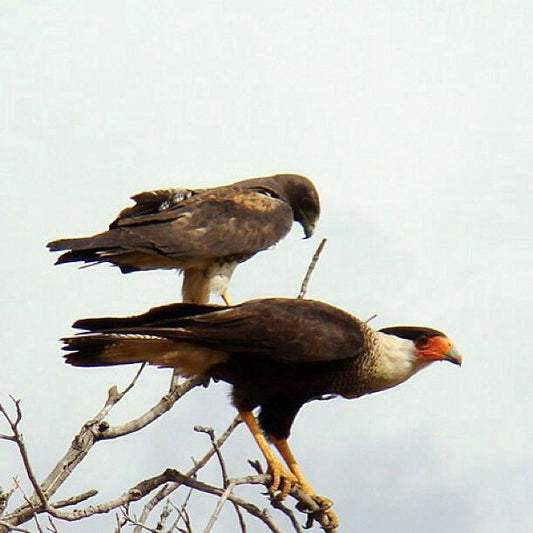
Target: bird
[205,233]
[277,353]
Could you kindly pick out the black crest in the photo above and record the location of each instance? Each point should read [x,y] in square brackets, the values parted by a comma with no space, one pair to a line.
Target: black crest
[412,333]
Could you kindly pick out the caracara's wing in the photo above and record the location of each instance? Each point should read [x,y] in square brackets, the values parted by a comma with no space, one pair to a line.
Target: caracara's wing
[288,330]
[214,223]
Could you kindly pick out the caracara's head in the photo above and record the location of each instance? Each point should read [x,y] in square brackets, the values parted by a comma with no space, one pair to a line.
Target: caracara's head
[404,350]
[428,344]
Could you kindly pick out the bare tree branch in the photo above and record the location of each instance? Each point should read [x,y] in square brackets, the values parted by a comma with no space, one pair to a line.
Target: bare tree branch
[9,527]
[311,268]
[167,490]
[92,431]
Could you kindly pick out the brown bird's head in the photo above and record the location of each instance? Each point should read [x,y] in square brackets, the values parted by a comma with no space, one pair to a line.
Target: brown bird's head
[430,344]
[298,191]
[303,198]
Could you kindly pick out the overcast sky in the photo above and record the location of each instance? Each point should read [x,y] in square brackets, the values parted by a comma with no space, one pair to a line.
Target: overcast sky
[413,119]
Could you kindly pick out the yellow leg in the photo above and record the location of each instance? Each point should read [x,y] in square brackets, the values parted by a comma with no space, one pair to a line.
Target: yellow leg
[281,478]
[226,299]
[325,503]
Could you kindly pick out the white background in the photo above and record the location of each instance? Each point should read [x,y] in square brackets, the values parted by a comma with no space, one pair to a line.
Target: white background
[414,121]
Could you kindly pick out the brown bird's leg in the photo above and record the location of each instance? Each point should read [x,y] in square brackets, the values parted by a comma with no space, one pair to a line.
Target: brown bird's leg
[325,503]
[226,299]
[281,478]
[195,287]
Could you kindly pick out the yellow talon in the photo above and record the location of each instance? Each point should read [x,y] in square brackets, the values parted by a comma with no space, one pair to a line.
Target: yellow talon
[282,480]
[332,519]
[324,503]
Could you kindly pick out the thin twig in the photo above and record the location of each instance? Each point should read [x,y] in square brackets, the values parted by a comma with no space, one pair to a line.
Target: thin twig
[52,527]
[371,318]
[165,491]
[221,501]
[211,432]
[163,517]
[310,268]
[277,504]
[18,439]
[134,522]
[242,522]
[182,512]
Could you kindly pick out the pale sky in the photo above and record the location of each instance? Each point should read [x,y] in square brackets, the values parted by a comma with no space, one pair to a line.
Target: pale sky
[414,121]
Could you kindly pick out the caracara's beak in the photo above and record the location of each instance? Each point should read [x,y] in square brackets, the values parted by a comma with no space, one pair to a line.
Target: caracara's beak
[453,355]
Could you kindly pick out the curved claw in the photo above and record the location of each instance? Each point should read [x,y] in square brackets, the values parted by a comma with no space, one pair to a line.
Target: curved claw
[333,521]
[324,503]
[282,480]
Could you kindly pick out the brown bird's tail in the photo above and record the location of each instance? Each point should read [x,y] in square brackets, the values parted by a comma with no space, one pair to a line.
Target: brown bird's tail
[77,250]
[99,248]
[86,249]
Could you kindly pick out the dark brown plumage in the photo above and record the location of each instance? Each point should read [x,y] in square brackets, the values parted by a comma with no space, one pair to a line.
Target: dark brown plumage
[204,232]
[277,354]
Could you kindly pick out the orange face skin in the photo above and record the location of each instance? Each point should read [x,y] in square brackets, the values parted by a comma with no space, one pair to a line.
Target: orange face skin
[433,348]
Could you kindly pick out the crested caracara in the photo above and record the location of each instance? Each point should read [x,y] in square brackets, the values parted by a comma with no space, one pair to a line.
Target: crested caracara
[277,353]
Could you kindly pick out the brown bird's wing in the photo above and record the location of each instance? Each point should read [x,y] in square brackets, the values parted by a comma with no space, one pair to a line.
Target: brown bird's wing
[280,329]
[221,222]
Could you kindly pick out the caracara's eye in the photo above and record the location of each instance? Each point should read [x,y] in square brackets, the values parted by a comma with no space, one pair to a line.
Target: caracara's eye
[422,339]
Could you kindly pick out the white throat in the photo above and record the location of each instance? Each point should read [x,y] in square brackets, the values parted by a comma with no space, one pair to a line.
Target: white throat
[397,360]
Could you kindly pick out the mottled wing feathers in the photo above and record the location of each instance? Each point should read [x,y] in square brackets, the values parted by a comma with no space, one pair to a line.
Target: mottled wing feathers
[152,203]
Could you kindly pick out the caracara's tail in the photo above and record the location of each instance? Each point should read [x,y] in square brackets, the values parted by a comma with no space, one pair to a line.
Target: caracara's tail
[152,338]
[115,349]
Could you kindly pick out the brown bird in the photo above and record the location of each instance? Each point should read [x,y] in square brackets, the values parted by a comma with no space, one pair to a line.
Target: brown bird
[205,233]
[277,353]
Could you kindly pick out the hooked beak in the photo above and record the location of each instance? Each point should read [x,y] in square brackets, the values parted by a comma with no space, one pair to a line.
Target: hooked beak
[309,228]
[453,355]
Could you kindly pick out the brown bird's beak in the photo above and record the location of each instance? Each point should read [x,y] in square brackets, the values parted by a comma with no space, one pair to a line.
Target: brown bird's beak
[309,228]
[453,355]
